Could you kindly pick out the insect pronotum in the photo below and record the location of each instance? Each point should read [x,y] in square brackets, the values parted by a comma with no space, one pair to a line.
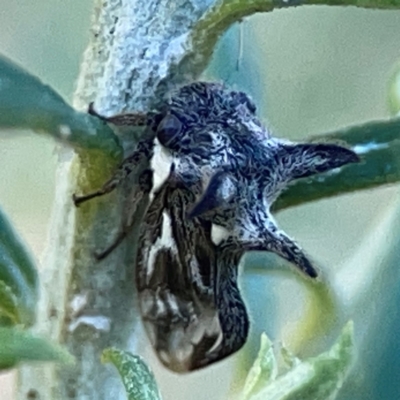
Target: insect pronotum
[215,172]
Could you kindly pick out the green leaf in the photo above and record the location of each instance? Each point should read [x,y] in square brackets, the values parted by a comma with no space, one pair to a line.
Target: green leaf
[394,91]
[10,241]
[18,346]
[137,377]
[318,378]
[264,369]
[25,102]
[8,306]
[288,358]
[18,276]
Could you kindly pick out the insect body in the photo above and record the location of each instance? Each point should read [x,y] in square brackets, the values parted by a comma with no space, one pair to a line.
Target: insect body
[216,172]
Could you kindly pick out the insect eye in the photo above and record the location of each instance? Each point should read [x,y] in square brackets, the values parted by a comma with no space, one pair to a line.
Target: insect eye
[168,129]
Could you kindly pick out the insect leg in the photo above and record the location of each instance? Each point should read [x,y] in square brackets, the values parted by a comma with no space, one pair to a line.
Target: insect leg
[129,119]
[143,151]
[145,185]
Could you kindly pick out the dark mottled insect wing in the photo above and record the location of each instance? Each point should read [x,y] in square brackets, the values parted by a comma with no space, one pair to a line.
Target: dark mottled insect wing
[175,282]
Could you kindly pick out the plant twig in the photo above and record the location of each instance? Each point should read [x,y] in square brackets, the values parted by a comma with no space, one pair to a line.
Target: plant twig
[219,18]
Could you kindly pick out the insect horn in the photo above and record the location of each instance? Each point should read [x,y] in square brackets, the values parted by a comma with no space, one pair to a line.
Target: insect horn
[220,190]
[302,160]
[278,242]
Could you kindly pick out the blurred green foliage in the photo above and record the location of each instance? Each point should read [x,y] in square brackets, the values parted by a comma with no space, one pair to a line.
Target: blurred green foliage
[19,287]
[311,70]
[137,377]
[18,346]
[318,378]
[18,277]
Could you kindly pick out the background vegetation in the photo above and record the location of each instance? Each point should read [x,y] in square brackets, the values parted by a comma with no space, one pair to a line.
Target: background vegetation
[311,70]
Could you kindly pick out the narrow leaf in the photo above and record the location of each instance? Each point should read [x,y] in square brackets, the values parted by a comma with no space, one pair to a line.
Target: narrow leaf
[137,377]
[394,91]
[21,346]
[318,378]
[11,242]
[263,370]
[25,102]
[8,305]
[18,276]
[288,358]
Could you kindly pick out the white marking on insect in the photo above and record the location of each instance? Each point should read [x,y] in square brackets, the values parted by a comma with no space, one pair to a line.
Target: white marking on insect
[183,353]
[218,233]
[207,325]
[172,303]
[166,241]
[217,342]
[161,163]
[161,309]
[194,266]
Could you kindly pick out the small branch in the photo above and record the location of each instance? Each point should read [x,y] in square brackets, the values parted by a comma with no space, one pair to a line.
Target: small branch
[225,13]
[378,145]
